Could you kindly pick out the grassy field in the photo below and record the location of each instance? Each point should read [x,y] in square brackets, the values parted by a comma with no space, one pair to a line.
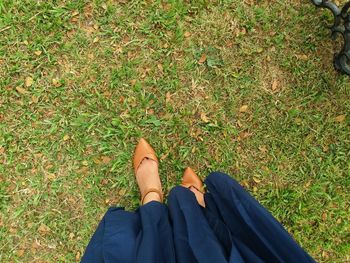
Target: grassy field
[245,87]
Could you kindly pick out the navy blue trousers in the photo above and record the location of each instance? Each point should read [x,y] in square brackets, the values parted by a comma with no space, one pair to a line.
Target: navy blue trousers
[233,227]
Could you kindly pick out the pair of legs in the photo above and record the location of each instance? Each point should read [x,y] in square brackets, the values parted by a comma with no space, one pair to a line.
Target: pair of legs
[147,176]
[230,226]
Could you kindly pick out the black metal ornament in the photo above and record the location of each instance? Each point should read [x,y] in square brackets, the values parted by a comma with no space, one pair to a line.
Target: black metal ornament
[341,26]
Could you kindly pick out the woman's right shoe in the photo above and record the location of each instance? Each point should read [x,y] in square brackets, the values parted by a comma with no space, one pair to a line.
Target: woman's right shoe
[148,181]
[191,181]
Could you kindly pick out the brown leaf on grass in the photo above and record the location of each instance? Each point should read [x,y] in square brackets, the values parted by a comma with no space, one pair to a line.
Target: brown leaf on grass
[77,256]
[50,176]
[204,117]
[37,52]
[106,159]
[75,13]
[104,181]
[29,81]
[122,192]
[256,180]
[96,39]
[56,82]
[202,59]
[302,57]
[243,108]
[263,149]
[160,67]
[43,229]
[167,97]
[66,137]
[245,184]
[274,85]
[187,34]
[340,118]
[243,135]
[20,252]
[35,99]
[21,90]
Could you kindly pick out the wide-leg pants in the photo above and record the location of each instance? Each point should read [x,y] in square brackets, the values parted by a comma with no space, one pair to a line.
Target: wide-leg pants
[233,227]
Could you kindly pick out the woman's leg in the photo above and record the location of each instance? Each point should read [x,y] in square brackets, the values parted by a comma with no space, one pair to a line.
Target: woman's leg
[251,224]
[141,236]
[193,238]
[114,239]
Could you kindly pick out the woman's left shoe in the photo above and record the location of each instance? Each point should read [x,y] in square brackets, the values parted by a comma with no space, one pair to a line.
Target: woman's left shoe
[191,181]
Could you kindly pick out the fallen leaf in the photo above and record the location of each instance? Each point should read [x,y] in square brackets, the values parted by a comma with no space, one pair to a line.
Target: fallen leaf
[50,176]
[167,97]
[71,235]
[202,59]
[29,81]
[43,229]
[37,52]
[325,255]
[298,121]
[274,85]
[20,252]
[204,117]
[243,108]
[56,83]
[160,67]
[340,118]
[66,137]
[77,256]
[187,34]
[85,163]
[106,159]
[256,180]
[35,99]
[245,184]
[122,192]
[52,245]
[21,90]
[263,149]
[243,135]
[302,57]
[104,181]
[75,13]
[96,39]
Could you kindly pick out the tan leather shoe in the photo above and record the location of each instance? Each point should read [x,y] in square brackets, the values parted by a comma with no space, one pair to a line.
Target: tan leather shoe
[191,180]
[144,150]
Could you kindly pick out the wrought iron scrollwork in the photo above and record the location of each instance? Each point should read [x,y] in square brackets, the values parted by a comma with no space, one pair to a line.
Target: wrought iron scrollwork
[341,26]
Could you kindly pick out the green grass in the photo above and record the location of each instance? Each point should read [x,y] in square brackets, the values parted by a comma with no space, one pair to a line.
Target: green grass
[106,73]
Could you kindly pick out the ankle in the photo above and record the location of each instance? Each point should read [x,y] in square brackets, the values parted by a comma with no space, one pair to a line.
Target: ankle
[151,196]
